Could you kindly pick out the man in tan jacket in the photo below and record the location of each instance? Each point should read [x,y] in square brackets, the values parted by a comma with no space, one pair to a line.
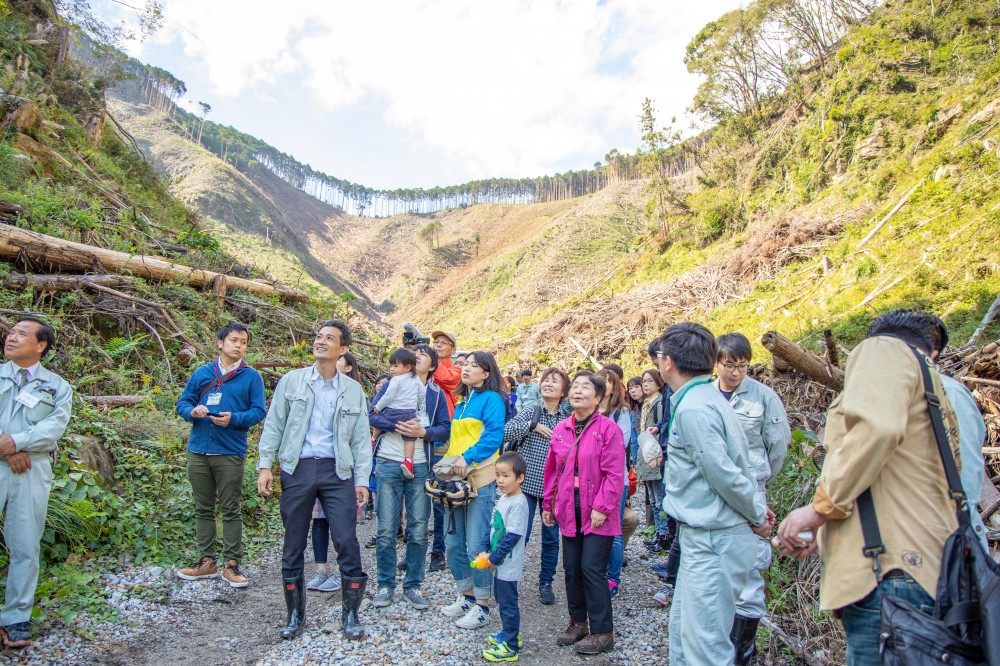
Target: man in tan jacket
[879,435]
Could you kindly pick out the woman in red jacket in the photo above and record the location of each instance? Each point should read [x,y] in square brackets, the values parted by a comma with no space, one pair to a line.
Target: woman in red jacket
[584,480]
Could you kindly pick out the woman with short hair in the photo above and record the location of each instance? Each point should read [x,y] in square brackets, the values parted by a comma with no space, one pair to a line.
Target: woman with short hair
[584,477]
[530,434]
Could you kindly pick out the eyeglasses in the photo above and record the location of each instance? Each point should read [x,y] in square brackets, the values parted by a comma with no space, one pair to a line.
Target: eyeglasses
[742,367]
[648,381]
[660,356]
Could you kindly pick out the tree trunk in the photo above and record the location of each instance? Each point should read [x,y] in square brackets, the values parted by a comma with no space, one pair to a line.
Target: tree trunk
[64,282]
[811,365]
[55,253]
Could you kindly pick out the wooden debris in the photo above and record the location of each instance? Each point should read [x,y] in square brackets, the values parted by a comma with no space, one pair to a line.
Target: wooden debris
[813,366]
[55,253]
[990,315]
[881,223]
[64,282]
[110,401]
[794,644]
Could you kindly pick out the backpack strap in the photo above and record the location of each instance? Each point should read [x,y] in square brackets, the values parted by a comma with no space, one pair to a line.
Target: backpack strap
[536,416]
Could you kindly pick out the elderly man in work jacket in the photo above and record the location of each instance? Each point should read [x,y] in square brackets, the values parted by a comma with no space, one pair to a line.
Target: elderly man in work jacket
[317,426]
[34,412]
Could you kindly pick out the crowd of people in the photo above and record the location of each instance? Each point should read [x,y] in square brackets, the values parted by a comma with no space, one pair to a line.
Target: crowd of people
[476,455]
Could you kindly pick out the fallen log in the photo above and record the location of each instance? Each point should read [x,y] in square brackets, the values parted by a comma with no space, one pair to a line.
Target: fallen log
[109,401]
[794,644]
[64,282]
[813,366]
[987,318]
[55,253]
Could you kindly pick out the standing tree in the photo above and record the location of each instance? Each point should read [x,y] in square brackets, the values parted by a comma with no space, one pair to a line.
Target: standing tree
[205,110]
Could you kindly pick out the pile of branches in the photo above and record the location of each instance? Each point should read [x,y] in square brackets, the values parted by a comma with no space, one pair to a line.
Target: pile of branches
[979,370]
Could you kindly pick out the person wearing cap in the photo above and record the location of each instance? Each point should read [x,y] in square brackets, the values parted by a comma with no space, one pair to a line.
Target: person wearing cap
[447,375]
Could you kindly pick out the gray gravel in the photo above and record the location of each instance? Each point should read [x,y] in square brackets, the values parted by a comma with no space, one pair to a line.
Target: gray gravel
[168,621]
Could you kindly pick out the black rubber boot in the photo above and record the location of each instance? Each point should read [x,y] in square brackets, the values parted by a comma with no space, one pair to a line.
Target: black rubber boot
[744,638]
[351,595]
[295,602]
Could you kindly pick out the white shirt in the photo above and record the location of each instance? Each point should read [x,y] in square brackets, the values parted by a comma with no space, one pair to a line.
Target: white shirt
[319,441]
[32,371]
[224,370]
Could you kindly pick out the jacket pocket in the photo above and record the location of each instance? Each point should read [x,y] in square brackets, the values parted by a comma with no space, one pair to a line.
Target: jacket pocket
[40,411]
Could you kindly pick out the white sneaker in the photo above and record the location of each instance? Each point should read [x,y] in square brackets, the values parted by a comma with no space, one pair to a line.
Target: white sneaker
[475,618]
[459,608]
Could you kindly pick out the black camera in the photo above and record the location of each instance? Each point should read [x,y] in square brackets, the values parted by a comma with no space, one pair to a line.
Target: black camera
[409,339]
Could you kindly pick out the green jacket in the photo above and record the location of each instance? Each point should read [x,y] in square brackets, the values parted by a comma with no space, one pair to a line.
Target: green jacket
[288,420]
[35,430]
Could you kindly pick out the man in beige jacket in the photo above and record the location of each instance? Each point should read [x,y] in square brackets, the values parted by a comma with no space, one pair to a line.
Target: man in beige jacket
[879,435]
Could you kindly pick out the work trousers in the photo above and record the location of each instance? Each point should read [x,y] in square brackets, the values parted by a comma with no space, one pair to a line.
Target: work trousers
[217,478]
[714,570]
[316,478]
[24,499]
[585,562]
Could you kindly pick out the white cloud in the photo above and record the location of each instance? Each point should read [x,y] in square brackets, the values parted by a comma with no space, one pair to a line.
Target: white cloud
[502,88]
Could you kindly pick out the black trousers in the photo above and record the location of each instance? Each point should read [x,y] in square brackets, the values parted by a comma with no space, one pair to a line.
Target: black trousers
[674,558]
[316,478]
[585,561]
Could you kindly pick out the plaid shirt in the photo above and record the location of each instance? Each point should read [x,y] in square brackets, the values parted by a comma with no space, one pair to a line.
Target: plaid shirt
[531,445]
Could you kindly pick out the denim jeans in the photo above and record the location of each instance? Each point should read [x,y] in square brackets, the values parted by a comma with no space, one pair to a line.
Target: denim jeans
[510,612]
[393,487]
[617,558]
[655,491]
[471,525]
[321,540]
[861,619]
[550,541]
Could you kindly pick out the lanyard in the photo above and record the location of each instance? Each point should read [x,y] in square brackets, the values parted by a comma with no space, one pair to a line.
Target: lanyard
[673,411]
[219,380]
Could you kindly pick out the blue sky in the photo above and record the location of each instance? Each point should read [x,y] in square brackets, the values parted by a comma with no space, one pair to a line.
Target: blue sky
[432,92]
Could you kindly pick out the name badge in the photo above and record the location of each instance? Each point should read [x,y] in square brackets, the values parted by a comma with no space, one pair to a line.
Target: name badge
[27,398]
[425,420]
[214,399]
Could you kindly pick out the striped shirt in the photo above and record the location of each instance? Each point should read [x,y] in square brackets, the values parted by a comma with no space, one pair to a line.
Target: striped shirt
[531,445]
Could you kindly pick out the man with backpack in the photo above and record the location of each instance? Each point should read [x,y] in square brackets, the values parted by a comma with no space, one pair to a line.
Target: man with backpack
[879,436]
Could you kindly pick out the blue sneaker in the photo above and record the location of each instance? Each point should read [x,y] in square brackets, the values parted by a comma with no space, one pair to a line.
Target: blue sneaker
[497,639]
[500,652]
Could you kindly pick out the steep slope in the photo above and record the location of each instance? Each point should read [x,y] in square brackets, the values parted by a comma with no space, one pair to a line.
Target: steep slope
[263,221]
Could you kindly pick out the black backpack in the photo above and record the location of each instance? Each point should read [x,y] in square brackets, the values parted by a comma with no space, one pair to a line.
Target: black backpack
[965,625]
[536,416]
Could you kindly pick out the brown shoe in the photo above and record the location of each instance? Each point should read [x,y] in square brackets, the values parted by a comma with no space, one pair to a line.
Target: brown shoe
[231,572]
[574,632]
[206,568]
[595,643]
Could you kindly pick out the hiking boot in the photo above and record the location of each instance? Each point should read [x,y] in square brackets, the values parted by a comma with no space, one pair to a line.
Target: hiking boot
[351,596]
[17,635]
[370,543]
[574,632]
[318,579]
[332,583]
[457,609]
[234,575]
[744,637]
[407,468]
[295,603]
[545,594]
[501,652]
[415,599]
[475,618]
[437,562]
[595,643]
[665,595]
[497,639]
[206,568]
[384,597]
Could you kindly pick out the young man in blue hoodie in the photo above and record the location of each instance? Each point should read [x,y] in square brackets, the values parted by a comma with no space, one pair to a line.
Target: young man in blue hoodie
[223,399]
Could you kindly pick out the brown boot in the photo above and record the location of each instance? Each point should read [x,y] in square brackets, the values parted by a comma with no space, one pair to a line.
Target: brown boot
[574,632]
[206,568]
[234,575]
[595,643]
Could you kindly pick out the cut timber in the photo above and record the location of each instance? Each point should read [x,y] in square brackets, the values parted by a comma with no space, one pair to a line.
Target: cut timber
[586,354]
[989,317]
[115,400]
[64,282]
[809,364]
[892,212]
[54,253]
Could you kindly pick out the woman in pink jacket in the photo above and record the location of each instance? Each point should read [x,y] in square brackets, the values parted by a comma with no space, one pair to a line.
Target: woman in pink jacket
[584,480]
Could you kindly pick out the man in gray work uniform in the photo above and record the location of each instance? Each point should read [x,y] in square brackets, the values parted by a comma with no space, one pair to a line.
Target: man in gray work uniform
[765,423]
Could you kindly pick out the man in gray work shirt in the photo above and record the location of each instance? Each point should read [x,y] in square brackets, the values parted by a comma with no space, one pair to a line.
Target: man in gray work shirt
[765,423]
[712,493]
[317,426]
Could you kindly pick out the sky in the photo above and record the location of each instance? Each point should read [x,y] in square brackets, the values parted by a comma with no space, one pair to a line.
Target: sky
[420,93]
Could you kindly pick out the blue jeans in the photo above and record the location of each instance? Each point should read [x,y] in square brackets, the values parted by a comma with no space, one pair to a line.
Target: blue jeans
[654,489]
[510,613]
[550,541]
[471,525]
[861,619]
[438,545]
[617,557]
[321,540]
[393,487]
